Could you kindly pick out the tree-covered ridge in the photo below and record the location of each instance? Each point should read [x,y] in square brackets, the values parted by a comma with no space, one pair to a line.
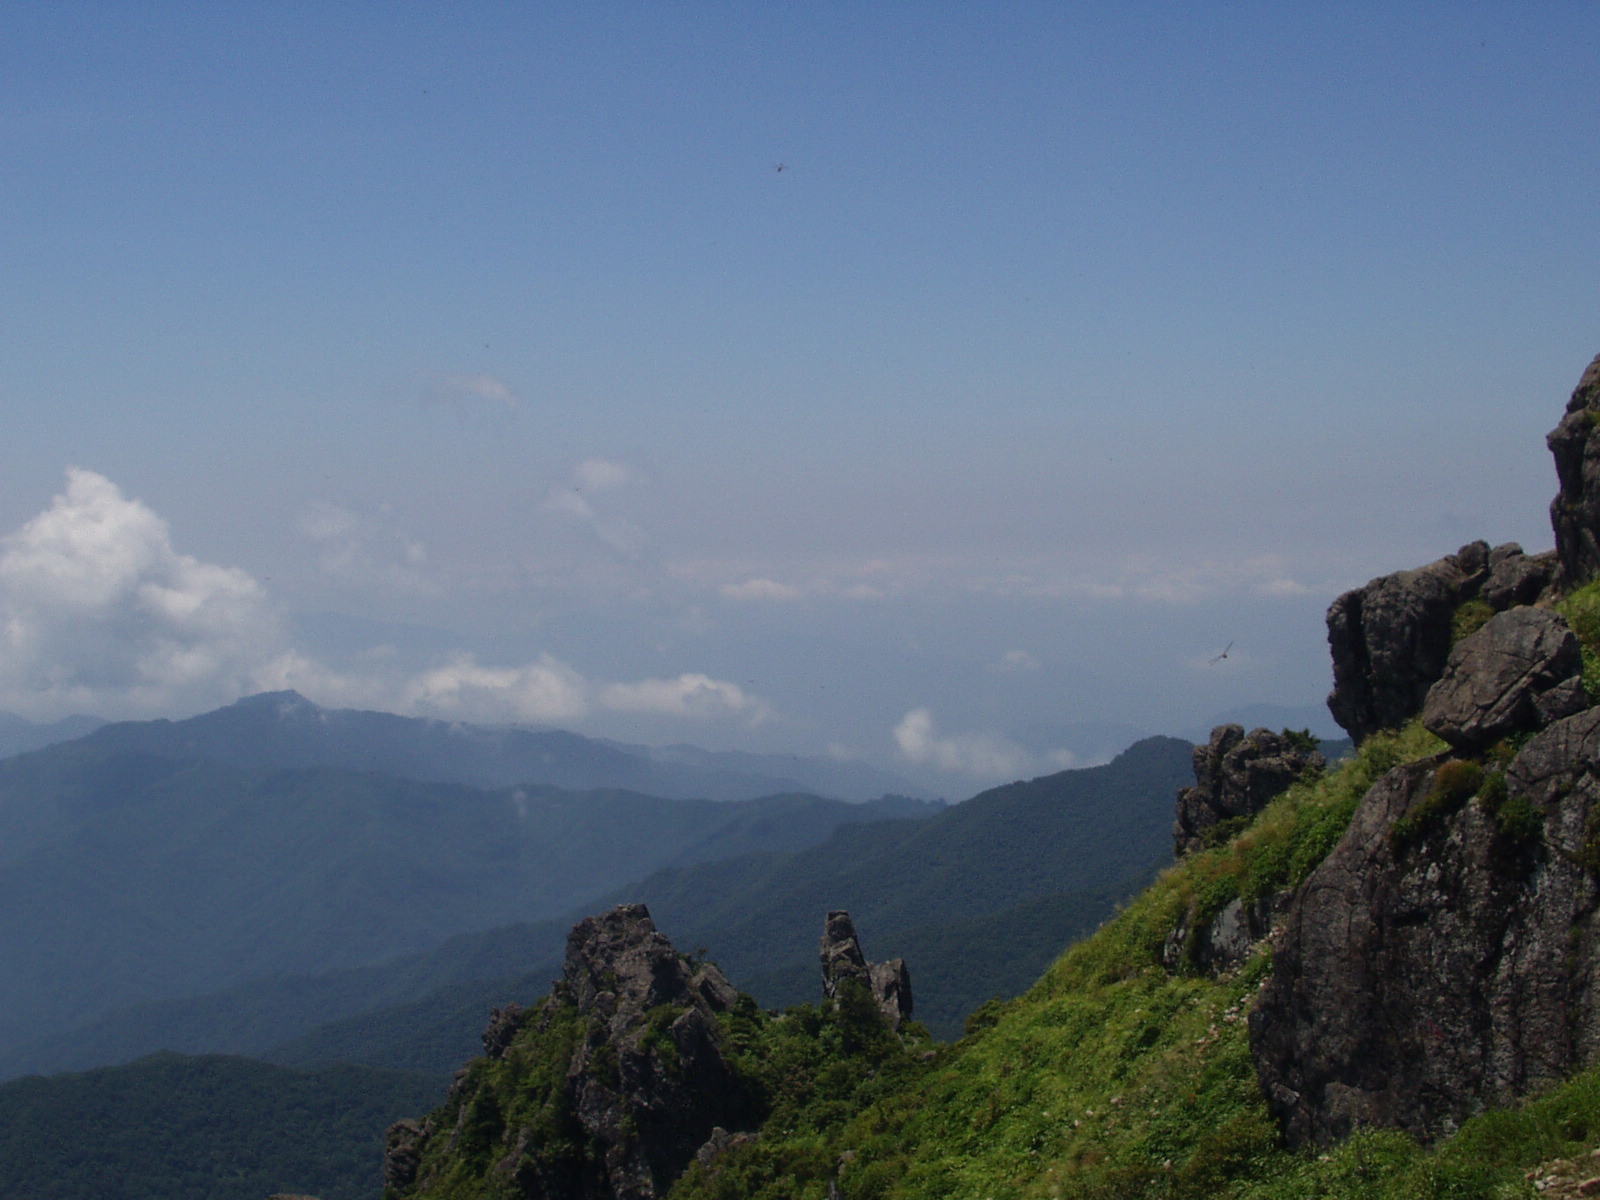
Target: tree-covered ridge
[175,1128]
[1061,850]
[129,878]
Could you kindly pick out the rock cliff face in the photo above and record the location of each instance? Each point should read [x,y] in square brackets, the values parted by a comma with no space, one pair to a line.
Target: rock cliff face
[1445,956]
[1236,776]
[1575,512]
[1521,671]
[643,1085]
[623,1077]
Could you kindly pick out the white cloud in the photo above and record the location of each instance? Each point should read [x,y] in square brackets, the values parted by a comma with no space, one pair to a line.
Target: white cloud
[99,613]
[545,690]
[600,475]
[986,756]
[759,589]
[464,392]
[102,614]
[688,695]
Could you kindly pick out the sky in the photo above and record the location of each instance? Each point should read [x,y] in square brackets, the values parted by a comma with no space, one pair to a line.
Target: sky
[942,386]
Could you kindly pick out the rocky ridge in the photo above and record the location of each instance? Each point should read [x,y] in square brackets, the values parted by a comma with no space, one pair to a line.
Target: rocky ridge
[642,1082]
[621,1079]
[842,961]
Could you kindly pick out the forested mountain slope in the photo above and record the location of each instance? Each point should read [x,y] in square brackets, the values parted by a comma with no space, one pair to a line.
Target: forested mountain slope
[126,877]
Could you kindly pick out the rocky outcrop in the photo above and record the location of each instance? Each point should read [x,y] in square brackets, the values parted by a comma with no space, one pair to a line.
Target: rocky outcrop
[842,960]
[1575,512]
[1446,955]
[1226,940]
[644,1085]
[1517,578]
[1236,776]
[1390,639]
[1519,672]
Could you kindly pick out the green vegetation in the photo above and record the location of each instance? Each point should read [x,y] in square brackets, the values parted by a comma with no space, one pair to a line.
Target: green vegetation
[1469,617]
[1062,849]
[524,1090]
[212,1128]
[1113,1078]
[1581,608]
[1454,783]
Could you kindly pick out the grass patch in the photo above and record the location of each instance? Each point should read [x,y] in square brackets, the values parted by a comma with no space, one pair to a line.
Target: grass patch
[1581,608]
[1469,617]
[1454,783]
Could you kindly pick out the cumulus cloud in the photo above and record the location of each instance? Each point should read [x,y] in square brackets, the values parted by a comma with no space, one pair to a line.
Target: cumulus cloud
[600,475]
[758,590]
[545,690]
[549,690]
[979,755]
[688,695]
[101,613]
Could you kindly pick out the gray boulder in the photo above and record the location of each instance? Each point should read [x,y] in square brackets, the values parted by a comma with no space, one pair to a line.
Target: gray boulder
[1575,512]
[1237,775]
[1445,956]
[1390,639]
[1520,671]
[1517,578]
[842,960]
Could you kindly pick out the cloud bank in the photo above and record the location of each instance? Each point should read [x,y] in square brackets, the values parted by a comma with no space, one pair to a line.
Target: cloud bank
[981,756]
[99,613]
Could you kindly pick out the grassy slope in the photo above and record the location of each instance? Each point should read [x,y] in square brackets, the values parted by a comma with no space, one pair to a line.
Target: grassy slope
[1112,1078]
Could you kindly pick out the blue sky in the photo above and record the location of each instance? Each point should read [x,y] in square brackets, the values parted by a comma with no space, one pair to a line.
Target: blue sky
[479,360]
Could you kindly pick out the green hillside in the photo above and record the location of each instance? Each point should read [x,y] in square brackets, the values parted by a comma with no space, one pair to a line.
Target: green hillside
[127,878]
[1086,838]
[176,1128]
[1114,1076]
[979,899]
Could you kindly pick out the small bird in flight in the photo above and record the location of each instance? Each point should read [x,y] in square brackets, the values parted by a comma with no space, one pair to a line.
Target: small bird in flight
[1221,656]
[778,167]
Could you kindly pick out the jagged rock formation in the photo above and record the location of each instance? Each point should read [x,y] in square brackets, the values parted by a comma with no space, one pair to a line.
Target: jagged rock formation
[1390,640]
[1519,672]
[1443,957]
[1236,776]
[644,1083]
[842,959]
[1575,512]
